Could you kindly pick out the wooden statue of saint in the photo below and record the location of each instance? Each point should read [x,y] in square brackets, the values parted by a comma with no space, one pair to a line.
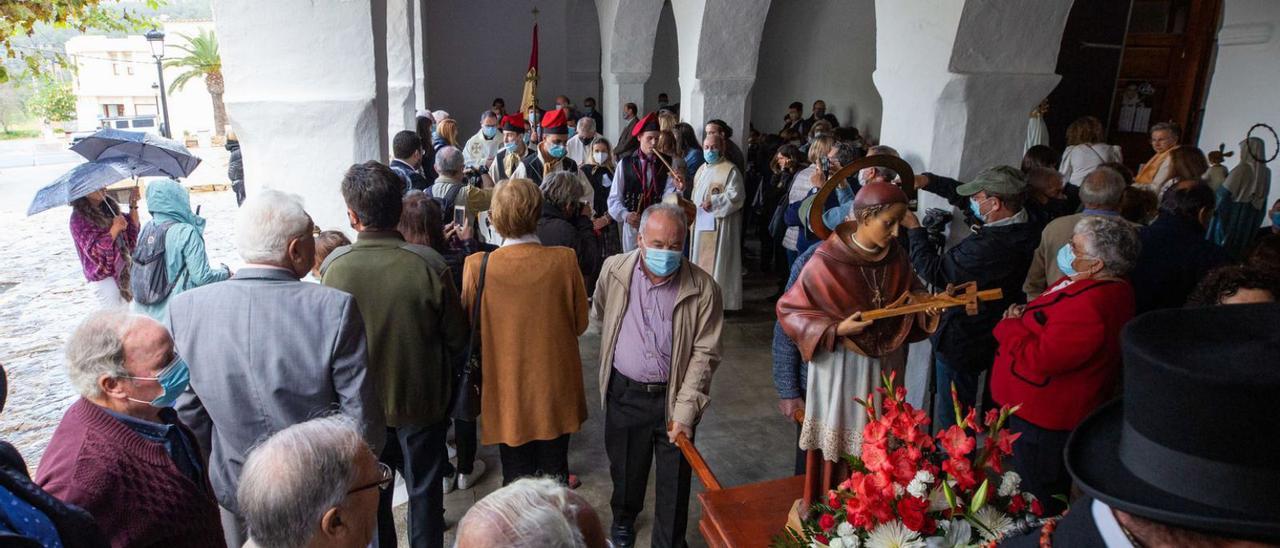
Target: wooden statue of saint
[860,267]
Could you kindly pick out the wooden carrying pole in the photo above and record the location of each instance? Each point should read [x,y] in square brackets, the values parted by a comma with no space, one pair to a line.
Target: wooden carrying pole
[699,464]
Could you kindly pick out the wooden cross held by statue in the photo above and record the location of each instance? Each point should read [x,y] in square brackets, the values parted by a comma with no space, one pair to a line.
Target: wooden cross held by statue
[966,295]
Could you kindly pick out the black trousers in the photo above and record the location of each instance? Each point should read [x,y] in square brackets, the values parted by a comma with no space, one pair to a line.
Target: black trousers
[635,431]
[537,458]
[1038,458]
[464,438]
[418,454]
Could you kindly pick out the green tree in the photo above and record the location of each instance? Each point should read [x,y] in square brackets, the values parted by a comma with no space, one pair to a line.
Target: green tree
[13,108]
[20,18]
[53,101]
[202,60]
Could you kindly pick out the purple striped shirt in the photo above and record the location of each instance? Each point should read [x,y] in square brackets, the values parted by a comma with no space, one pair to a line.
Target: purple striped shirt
[643,350]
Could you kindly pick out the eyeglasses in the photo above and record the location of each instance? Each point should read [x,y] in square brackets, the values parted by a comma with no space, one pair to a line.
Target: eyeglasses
[387,477]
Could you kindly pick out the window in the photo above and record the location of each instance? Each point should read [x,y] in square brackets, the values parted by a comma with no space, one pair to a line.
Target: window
[144,122]
[122,124]
[112,110]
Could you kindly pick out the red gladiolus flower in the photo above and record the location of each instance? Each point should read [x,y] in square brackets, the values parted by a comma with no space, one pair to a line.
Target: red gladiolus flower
[991,417]
[961,471]
[956,442]
[904,464]
[971,419]
[912,512]
[875,433]
[1036,508]
[826,522]
[875,458]
[1005,439]
[822,538]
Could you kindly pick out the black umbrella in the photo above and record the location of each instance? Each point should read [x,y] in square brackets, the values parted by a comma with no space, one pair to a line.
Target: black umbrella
[86,179]
[166,155]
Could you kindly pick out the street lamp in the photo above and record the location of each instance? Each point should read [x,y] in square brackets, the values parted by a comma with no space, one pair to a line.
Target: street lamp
[155,39]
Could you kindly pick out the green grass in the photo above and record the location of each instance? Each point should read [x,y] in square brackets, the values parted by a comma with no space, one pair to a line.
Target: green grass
[19,134]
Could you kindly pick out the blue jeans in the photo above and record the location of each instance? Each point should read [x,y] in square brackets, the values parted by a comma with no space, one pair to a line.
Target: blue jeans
[944,415]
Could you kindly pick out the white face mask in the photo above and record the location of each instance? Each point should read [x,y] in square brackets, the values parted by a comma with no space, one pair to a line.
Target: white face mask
[601,157]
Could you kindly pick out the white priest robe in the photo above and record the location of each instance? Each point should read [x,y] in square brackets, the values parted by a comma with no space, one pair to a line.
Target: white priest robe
[716,238]
[478,150]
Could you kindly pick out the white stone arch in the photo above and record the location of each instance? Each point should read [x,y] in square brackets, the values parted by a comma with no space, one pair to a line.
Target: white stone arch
[664,76]
[719,49]
[627,31]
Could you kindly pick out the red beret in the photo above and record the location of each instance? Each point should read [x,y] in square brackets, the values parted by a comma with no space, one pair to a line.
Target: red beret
[513,122]
[648,123]
[874,194]
[555,122]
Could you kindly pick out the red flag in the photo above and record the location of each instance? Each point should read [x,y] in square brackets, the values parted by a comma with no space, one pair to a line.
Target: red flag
[530,96]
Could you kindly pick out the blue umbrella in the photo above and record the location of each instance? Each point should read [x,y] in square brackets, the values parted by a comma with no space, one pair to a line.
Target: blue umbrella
[86,179]
[167,155]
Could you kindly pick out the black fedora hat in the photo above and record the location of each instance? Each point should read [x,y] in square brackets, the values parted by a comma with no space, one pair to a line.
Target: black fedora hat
[1195,441]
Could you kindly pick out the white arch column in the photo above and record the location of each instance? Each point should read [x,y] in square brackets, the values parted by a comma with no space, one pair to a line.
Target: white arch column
[627,32]
[401,53]
[303,114]
[958,79]
[719,49]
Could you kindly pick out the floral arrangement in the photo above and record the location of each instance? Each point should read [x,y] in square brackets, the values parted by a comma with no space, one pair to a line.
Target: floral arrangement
[909,489]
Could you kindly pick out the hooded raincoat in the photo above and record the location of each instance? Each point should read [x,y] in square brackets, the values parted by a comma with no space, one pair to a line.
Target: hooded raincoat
[168,201]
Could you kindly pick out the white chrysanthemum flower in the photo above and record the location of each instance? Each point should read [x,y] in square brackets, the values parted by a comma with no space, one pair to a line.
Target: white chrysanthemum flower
[893,534]
[1009,484]
[836,542]
[852,542]
[845,529]
[917,488]
[994,523]
[898,490]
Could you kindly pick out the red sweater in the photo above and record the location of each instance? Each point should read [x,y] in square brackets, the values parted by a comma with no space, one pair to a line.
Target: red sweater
[130,485]
[1061,359]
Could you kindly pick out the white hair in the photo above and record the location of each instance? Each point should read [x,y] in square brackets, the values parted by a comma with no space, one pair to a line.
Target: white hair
[449,160]
[96,348]
[265,224]
[585,123]
[1111,240]
[290,480]
[532,513]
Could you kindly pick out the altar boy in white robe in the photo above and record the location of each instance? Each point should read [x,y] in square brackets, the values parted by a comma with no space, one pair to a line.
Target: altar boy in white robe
[717,230]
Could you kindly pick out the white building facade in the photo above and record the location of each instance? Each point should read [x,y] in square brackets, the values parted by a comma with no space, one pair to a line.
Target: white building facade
[116,84]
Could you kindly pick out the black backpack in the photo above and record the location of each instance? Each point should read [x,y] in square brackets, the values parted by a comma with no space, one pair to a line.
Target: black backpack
[149,278]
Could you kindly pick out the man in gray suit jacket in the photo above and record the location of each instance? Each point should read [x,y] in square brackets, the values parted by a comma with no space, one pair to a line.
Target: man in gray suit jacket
[267,351]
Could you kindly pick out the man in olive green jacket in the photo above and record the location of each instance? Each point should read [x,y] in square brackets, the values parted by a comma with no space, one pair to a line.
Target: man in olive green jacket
[413,321]
[660,320]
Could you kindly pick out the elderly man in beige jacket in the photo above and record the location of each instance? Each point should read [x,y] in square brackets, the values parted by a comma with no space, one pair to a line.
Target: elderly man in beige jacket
[660,321]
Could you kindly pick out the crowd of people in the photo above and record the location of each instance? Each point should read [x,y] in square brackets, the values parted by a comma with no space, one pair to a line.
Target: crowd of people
[274,406]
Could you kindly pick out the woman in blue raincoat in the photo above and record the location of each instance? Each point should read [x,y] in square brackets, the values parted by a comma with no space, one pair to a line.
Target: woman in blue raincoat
[186,264]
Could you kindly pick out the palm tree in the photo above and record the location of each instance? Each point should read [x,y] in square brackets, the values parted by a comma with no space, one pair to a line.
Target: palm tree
[202,60]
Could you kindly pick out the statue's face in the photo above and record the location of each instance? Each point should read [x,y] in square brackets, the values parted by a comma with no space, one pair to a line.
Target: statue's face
[881,229]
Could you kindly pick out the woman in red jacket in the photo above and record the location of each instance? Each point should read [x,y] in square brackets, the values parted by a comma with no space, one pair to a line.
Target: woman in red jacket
[1059,355]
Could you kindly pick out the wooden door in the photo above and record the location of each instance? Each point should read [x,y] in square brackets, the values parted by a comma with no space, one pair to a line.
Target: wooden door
[1088,61]
[1163,72]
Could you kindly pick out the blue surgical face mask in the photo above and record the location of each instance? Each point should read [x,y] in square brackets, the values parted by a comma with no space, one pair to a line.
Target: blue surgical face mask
[976,207]
[556,151]
[661,262]
[572,131]
[1065,257]
[711,156]
[512,147]
[489,132]
[173,379]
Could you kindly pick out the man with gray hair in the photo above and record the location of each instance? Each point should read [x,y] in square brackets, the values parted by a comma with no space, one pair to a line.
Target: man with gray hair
[315,483]
[1100,193]
[532,513]
[120,451]
[579,146]
[660,321]
[268,351]
[450,190]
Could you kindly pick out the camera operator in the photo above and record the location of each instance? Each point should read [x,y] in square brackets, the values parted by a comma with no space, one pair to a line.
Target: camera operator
[996,255]
[451,189]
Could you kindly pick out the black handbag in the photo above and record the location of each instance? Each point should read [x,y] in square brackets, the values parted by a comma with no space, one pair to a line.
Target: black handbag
[467,376]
